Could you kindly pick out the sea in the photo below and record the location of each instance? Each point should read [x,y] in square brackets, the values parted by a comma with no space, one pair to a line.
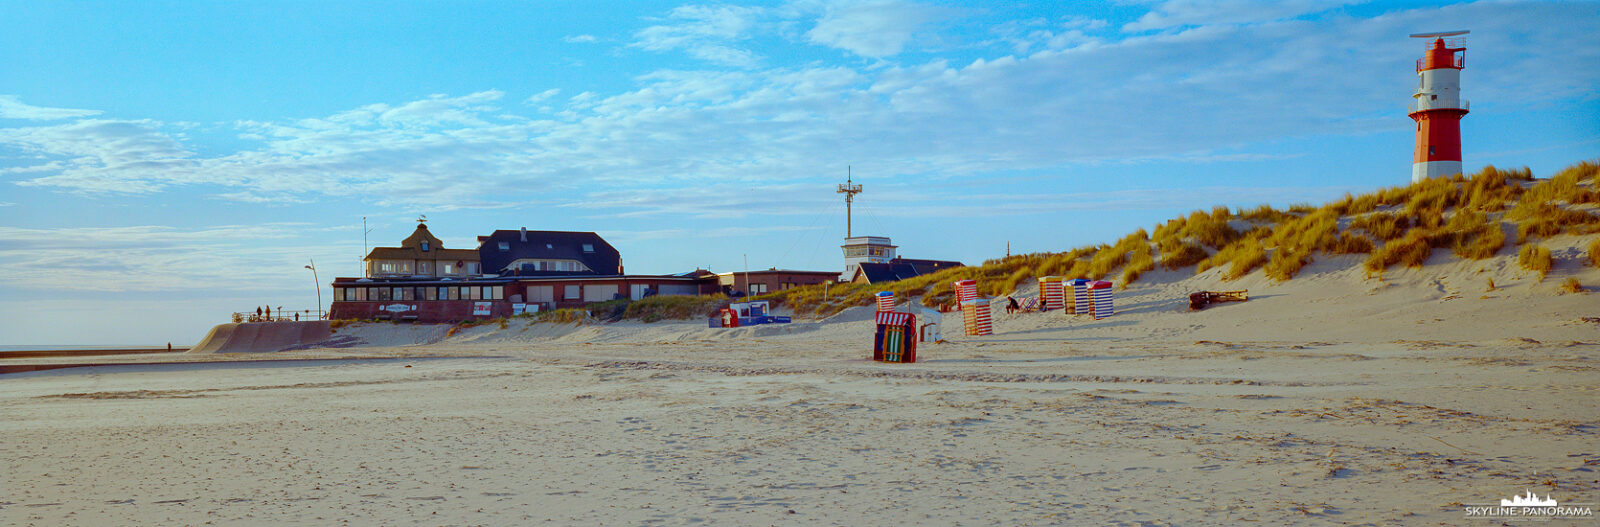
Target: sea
[43,347]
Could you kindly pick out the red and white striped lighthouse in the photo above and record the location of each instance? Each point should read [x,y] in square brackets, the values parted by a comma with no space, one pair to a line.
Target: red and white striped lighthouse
[1437,106]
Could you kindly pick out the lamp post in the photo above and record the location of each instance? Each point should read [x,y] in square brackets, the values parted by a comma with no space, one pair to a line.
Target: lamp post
[318,282]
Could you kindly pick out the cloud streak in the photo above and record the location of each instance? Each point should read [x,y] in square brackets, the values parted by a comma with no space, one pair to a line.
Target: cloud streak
[12,107]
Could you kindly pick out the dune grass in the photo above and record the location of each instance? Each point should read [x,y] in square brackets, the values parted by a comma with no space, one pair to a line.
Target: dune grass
[1399,225]
[1382,225]
[1534,257]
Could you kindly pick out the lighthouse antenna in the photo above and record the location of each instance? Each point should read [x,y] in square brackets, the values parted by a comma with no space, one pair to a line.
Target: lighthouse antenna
[849,189]
[1440,34]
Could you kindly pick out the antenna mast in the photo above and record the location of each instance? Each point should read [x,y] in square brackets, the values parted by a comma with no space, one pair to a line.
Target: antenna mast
[849,189]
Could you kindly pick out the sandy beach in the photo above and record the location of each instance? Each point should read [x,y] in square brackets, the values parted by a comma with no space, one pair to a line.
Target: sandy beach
[1332,399]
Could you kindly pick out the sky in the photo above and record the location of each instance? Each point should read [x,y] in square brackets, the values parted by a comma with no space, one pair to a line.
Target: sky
[164,164]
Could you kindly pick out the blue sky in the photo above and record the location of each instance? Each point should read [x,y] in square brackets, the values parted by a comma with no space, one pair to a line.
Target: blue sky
[165,163]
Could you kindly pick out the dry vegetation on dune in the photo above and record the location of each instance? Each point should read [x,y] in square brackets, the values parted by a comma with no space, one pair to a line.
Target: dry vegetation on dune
[1401,225]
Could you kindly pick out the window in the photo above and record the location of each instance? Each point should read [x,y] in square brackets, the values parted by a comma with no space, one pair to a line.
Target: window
[505,246]
[424,246]
[425,268]
[472,268]
[588,247]
[572,292]
[455,293]
[431,293]
[447,268]
[379,294]
[758,289]
[361,293]
[497,292]
[472,293]
[386,267]
[1430,150]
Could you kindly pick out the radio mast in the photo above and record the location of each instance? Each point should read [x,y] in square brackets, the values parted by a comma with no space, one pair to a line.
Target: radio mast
[849,189]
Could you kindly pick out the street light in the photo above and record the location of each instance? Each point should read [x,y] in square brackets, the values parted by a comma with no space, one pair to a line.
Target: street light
[317,282]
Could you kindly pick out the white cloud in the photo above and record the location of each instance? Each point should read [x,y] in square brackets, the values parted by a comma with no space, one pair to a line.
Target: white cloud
[874,29]
[12,107]
[580,39]
[1179,13]
[541,96]
[708,33]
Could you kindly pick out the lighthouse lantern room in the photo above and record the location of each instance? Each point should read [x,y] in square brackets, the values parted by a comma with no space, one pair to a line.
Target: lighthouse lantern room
[1437,106]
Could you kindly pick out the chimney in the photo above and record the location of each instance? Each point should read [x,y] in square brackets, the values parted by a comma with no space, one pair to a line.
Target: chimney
[524,235]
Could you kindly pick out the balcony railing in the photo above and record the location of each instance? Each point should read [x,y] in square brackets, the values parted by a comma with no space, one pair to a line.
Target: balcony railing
[1419,105]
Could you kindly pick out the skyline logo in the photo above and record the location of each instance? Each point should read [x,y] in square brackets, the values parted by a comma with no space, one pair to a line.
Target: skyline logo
[1530,507]
[1530,500]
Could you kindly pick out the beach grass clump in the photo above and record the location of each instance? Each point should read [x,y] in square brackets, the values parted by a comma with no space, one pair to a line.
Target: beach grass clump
[1382,225]
[1283,264]
[1348,243]
[1265,214]
[1109,258]
[1353,205]
[1137,265]
[1412,250]
[1571,285]
[1535,257]
[674,307]
[1545,219]
[1491,188]
[1241,258]
[1212,230]
[1177,254]
[1594,253]
[1016,278]
[1471,234]
[568,315]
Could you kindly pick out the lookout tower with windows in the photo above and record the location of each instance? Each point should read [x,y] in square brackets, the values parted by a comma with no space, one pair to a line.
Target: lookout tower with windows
[865,249]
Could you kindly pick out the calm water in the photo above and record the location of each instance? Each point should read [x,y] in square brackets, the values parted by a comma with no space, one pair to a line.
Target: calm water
[41,347]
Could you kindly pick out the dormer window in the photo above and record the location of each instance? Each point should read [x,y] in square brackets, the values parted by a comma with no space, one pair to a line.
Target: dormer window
[505,246]
[424,246]
[588,247]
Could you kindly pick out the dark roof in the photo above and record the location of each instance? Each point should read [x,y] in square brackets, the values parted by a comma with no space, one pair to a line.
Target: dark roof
[901,269]
[548,245]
